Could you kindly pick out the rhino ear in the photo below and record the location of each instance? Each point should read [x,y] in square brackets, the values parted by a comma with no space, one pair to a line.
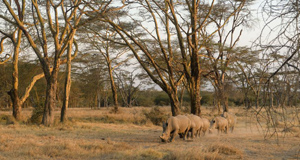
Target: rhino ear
[165,125]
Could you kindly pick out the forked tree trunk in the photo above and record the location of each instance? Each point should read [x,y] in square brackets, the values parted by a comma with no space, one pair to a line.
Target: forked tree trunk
[222,98]
[174,104]
[14,92]
[50,102]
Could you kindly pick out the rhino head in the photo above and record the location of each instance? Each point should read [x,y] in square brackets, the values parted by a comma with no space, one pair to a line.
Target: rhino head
[212,125]
[165,137]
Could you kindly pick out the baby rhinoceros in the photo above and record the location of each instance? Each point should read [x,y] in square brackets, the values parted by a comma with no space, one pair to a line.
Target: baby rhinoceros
[219,123]
[231,118]
[174,126]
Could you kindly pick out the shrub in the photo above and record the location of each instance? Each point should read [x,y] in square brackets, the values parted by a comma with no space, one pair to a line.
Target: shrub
[8,119]
[37,114]
[162,99]
[156,116]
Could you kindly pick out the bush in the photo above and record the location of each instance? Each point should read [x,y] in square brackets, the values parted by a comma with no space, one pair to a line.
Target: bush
[156,116]
[162,99]
[207,99]
[8,119]
[37,114]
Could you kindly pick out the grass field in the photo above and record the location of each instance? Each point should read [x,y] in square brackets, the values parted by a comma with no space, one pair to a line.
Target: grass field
[98,134]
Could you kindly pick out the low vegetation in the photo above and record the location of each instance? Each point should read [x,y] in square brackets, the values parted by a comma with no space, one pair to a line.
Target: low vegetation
[130,134]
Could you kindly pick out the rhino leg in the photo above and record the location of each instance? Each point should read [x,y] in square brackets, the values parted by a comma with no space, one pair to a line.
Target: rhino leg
[193,133]
[185,134]
[174,135]
[199,132]
[181,135]
[204,132]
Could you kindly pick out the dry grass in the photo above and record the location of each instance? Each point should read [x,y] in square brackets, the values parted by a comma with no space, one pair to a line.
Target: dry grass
[100,134]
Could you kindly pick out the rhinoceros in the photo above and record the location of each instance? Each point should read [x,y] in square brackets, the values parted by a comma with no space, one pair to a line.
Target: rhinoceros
[175,125]
[196,125]
[231,118]
[219,123]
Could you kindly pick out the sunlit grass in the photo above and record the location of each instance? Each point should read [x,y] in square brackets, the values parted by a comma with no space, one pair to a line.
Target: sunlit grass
[100,134]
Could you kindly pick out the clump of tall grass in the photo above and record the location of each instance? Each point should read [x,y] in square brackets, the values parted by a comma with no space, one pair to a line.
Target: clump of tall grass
[225,149]
[191,154]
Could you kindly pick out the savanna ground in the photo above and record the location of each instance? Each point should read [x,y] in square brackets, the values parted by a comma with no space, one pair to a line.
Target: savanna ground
[99,134]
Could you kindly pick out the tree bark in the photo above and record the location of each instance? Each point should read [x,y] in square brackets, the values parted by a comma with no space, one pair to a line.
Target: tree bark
[113,87]
[50,102]
[63,116]
[174,104]
[16,105]
[195,98]
[195,64]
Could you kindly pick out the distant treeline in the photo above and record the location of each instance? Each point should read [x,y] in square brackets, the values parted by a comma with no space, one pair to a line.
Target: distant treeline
[91,89]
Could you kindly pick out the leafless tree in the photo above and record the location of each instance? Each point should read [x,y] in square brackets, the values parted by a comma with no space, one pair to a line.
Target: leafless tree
[167,43]
[279,38]
[220,55]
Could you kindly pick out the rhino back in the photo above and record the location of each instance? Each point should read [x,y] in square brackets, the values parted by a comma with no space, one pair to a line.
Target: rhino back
[206,123]
[182,123]
[221,121]
[231,118]
[198,121]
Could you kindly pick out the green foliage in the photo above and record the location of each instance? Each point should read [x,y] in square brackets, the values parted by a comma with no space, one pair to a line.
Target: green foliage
[144,100]
[207,98]
[161,99]
[156,116]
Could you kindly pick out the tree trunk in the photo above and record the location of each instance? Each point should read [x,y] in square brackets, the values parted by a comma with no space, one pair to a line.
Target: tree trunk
[50,102]
[196,101]
[63,117]
[223,98]
[14,92]
[174,104]
[195,87]
[113,88]
[16,105]
[195,64]
[129,100]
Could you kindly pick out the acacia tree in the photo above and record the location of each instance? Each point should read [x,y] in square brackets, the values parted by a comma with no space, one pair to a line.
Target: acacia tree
[158,56]
[126,82]
[54,26]
[220,55]
[254,71]
[168,18]
[114,54]
[62,31]
[16,39]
